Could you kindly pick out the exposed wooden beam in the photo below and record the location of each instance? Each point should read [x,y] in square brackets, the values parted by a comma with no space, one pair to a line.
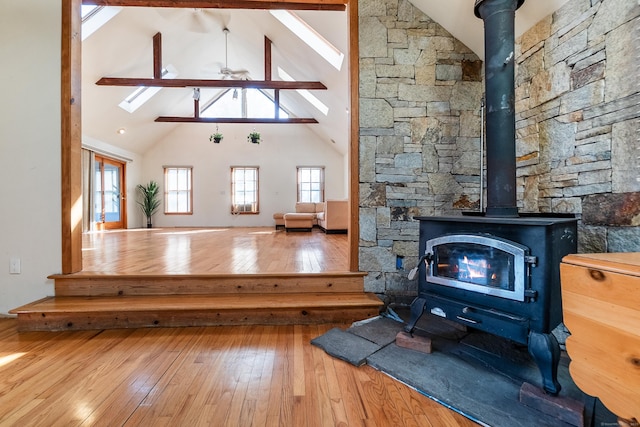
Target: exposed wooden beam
[354,137]
[255,84]
[267,58]
[71,137]
[339,5]
[157,56]
[292,120]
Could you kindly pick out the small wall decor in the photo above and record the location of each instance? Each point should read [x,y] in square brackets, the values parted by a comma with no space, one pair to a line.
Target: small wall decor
[254,137]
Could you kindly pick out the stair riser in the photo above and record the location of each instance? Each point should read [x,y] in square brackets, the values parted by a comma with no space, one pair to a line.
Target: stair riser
[185,318]
[123,285]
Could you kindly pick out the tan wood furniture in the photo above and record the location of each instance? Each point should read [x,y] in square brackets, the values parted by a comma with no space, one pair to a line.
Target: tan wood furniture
[601,306]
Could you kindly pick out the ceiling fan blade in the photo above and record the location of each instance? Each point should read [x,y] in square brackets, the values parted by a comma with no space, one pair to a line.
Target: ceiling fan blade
[195,20]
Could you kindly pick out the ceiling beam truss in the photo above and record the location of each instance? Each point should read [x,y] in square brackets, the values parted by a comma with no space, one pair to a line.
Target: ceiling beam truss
[267,83]
[177,83]
[289,121]
[336,5]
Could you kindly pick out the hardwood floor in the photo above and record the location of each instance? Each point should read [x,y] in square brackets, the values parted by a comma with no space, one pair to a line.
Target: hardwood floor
[214,376]
[234,250]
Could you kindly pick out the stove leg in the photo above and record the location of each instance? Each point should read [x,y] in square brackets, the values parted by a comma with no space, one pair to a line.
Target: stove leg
[545,351]
[417,308]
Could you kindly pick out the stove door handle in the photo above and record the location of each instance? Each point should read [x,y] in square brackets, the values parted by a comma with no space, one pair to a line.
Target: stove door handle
[466,319]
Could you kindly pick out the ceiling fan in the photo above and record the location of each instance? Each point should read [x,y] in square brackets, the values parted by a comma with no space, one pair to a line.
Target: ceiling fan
[197,20]
[227,72]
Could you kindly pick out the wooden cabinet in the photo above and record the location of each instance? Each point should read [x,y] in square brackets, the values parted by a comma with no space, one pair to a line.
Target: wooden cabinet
[601,307]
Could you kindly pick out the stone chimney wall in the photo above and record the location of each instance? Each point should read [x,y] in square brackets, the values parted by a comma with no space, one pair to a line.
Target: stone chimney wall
[420,98]
[577,123]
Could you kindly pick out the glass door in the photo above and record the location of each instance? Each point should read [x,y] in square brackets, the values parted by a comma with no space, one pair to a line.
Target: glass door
[110,206]
[479,263]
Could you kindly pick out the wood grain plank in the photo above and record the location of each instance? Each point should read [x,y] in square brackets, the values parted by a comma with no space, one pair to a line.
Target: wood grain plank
[195,376]
[601,285]
[619,262]
[158,303]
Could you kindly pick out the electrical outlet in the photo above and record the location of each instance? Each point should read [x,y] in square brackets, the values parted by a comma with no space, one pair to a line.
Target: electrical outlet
[14,265]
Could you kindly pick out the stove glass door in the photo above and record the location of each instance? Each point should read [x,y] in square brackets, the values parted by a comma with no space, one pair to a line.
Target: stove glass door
[478,263]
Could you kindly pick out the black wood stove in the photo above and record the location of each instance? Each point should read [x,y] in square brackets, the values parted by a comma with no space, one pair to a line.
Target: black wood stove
[498,275]
[498,271]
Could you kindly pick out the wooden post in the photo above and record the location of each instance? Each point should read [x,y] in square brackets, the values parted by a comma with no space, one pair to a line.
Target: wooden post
[71,133]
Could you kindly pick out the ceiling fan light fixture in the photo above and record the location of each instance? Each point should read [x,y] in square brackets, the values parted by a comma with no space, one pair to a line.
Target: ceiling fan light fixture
[225,71]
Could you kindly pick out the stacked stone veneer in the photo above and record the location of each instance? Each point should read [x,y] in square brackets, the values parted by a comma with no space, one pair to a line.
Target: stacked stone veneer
[578,104]
[420,99]
[578,110]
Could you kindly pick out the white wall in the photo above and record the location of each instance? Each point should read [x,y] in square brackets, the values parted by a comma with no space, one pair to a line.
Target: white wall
[29,149]
[283,147]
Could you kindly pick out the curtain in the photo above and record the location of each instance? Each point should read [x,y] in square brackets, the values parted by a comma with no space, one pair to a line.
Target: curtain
[88,190]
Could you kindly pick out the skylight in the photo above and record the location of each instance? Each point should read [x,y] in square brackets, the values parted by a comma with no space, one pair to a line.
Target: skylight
[144,93]
[310,36]
[87,10]
[94,17]
[305,93]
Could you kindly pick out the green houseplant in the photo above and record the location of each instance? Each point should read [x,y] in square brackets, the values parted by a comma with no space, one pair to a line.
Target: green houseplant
[149,201]
[216,137]
[254,137]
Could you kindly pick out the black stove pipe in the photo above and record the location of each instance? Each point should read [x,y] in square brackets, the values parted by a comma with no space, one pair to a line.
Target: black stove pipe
[499,52]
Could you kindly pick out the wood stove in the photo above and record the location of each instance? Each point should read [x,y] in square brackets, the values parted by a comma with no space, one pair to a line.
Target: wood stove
[498,271]
[498,275]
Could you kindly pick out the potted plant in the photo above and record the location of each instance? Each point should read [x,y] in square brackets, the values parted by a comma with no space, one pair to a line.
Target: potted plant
[149,201]
[216,137]
[254,137]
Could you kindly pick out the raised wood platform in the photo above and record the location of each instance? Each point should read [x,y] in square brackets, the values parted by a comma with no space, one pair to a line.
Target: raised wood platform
[107,284]
[124,286]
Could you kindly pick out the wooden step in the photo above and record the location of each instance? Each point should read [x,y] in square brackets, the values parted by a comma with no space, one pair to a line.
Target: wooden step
[62,313]
[99,284]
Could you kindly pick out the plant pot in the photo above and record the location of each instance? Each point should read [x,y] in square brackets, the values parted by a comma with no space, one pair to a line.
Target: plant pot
[255,140]
[149,225]
[217,140]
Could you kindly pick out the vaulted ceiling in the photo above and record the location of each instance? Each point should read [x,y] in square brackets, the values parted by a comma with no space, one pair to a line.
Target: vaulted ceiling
[194,43]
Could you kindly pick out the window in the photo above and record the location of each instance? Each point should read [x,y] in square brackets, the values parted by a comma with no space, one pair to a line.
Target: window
[178,193]
[236,103]
[244,190]
[310,184]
